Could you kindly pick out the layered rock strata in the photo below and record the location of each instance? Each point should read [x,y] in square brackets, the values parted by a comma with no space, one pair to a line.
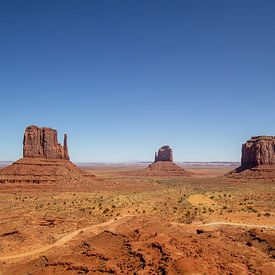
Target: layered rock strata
[43,143]
[258,159]
[44,161]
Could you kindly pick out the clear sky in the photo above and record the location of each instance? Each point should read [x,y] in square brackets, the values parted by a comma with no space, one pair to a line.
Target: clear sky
[123,78]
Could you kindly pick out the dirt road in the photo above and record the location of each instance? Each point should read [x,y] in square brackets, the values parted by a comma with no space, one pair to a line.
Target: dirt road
[238,224]
[227,223]
[96,229]
[111,225]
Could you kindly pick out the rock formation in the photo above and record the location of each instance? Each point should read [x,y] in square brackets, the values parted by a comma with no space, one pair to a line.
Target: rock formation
[43,143]
[164,165]
[257,151]
[258,158]
[165,168]
[165,153]
[44,161]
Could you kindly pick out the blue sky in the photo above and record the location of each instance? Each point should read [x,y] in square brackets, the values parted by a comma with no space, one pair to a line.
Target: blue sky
[123,78]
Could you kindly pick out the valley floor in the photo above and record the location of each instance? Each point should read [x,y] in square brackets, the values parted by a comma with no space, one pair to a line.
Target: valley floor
[204,224]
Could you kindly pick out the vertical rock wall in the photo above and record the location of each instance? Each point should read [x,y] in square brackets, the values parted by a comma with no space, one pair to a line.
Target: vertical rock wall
[42,142]
[165,153]
[257,151]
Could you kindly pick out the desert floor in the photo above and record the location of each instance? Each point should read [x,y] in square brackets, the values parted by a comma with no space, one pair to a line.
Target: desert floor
[124,224]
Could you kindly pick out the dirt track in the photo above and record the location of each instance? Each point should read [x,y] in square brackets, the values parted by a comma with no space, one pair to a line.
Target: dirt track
[228,224]
[96,229]
[111,225]
[238,224]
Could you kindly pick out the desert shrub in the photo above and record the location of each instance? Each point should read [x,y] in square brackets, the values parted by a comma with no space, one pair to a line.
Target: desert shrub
[181,199]
[267,214]
[249,208]
[106,210]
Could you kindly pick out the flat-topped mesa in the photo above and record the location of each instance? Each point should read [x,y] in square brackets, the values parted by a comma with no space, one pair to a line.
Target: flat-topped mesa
[258,159]
[259,150]
[165,153]
[43,143]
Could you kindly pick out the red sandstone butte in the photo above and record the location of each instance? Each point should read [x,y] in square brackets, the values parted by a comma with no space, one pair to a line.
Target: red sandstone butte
[165,153]
[44,161]
[257,151]
[43,143]
[258,158]
[164,165]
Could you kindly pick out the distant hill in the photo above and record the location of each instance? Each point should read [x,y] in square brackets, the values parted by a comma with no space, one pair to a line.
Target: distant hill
[5,163]
[145,163]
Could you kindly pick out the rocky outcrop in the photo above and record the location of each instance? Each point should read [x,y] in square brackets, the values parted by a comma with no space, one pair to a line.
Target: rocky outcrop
[65,148]
[164,165]
[258,159]
[43,143]
[165,153]
[45,161]
[259,150]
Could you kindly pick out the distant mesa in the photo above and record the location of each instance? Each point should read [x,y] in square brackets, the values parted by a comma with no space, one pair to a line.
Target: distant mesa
[165,153]
[164,165]
[258,158]
[44,160]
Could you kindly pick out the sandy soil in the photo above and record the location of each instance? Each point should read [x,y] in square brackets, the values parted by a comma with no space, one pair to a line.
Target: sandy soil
[204,224]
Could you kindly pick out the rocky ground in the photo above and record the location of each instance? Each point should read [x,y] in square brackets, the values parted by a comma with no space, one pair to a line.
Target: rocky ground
[123,224]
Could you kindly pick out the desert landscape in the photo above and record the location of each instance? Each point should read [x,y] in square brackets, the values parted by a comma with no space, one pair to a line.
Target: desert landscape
[137,137]
[57,218]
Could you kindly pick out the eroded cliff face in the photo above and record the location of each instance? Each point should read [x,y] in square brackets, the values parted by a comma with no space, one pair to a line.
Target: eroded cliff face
[165,153]
[43,143]
[259,150]
[45,161]
[258,159]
